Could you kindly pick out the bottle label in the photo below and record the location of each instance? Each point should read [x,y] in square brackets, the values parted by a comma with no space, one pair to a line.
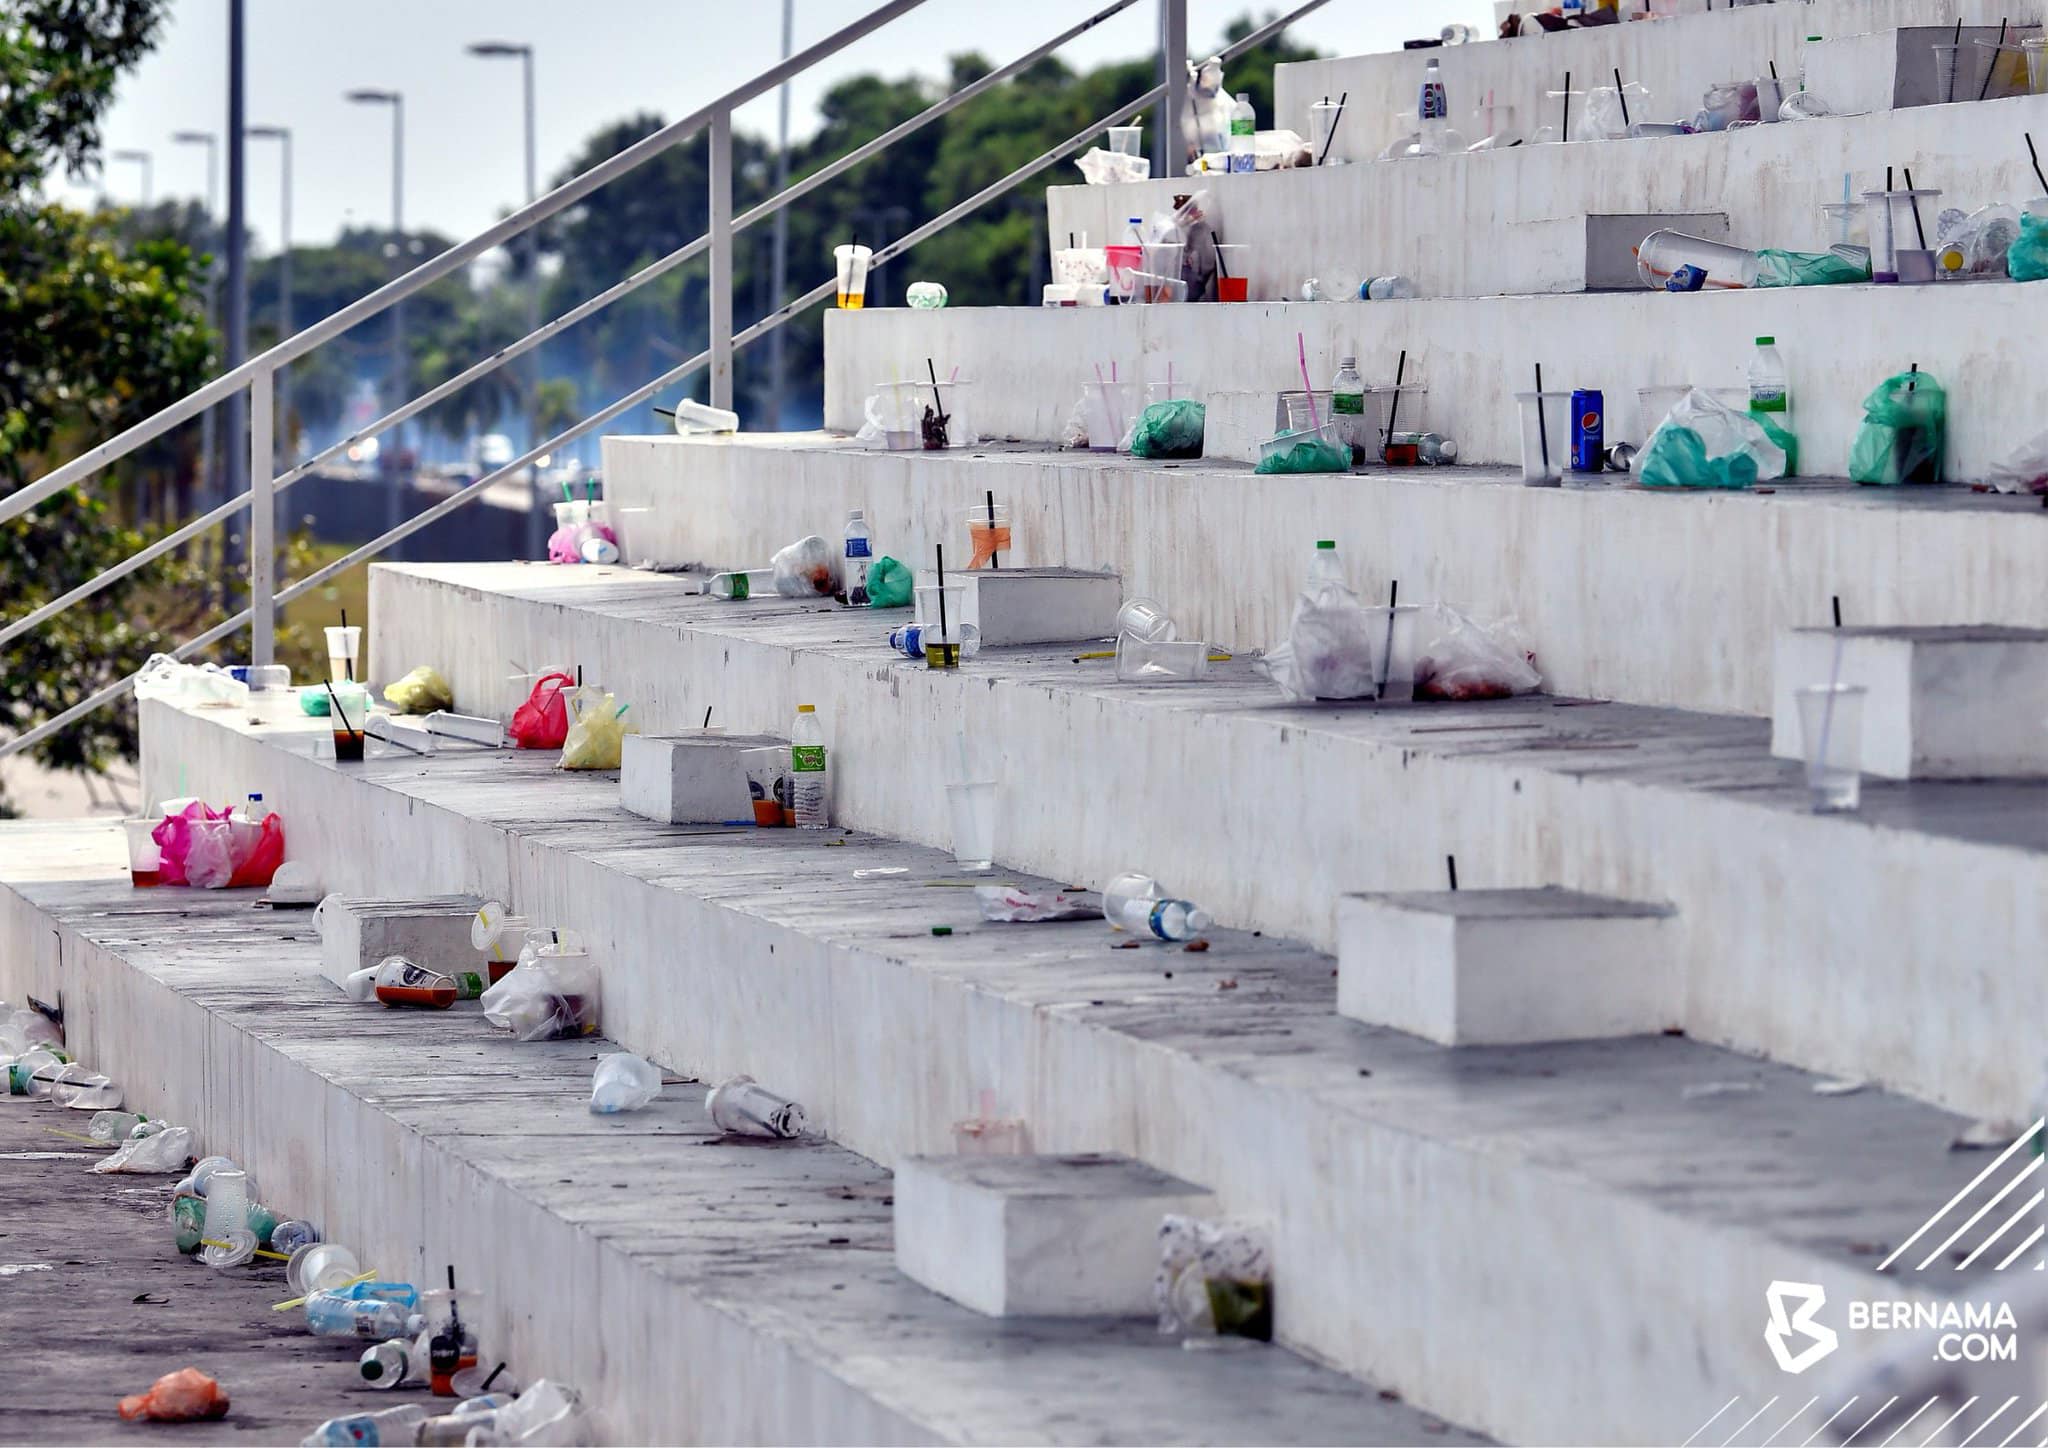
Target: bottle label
[739,585]
[1434,106]
[1767,399]
[857,548]
[1242,126]
[1348,402]
[807,758]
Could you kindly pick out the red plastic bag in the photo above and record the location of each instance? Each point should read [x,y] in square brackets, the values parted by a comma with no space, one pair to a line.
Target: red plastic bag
[194,845]
[542,722]
[180,1397]
[255,861]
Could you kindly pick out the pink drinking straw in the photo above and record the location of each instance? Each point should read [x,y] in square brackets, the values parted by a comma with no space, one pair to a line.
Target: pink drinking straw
[1301,352]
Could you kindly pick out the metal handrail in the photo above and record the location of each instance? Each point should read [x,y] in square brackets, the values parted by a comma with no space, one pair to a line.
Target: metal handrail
[259,373]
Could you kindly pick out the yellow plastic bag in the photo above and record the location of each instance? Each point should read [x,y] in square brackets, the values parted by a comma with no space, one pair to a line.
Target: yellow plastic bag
[596,731]
[420,692]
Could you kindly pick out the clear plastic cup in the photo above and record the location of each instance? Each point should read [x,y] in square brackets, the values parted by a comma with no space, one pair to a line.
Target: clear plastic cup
[1393,650]
[1109,409]
[345,653]
[1847,221]
[1322,120]
[227,1203]
[852,261]
[145,856]
[1080,266]
[1664,252]
[1146,621]
[1892,226]
[1127,140]
[1546,437]
[988,536]
[2035,49]
[1831,736]
[1233,271]
[974,823]
[321,1267]
[1150,288]
[1163,661]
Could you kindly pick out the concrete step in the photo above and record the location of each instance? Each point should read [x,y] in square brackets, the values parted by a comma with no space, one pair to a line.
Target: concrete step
[1422,1199]
[1676,58]
[696,1288]
[1625,593]
[1225,792]
[1473,355]
[1515,221]
[1897,68]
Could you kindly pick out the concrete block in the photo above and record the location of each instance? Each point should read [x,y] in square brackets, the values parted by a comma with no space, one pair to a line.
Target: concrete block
[433,930]
[696,778]
[1501,967]
[1606,244]
[1956,702]
[1037,1236]
[1041,605]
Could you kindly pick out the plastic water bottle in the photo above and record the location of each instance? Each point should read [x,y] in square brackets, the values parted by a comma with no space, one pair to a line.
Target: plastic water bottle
[1767,390]
[329,1314]
[747,583]
[388,1364]
[810,772]
[1347,407]
[1244,129]
[1432,108]
[1386,289]
[858,552]
[368,1430]
[1137,904]
[1325,567]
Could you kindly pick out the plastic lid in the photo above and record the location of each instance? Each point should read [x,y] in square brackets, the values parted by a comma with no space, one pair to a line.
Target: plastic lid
[856,516]
[1326,543]
[1344,362]
[1767,341]
[807,708]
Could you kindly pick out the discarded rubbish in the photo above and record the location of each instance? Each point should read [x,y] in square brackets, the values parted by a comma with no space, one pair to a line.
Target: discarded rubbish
[329,1314]
[1214,1278]
[741,584]
[1141,662]
[321,1267]
[691,416]
[857,553]
[972,803]
[83,1090]
[188,1220]
[113,1126]
[889,584]
[2026,260]
[421,691]
[1831,738]
[205,685]
[1904,432]
[1704,443]
[397,1362]
[1136,903]
[1838,1087]
[1339,648]
[1460,659]
[290,1235]
[810,771]
[1706,1090]
[1311,451]
[450,1346]
[553,996]
[597,731]
[232,1250]
[623,1082]
[925,296]
[742,1106]
[399,982]
[805,569]
[1776,267]
[1171,429]
[369,1430]
[2024,469]
[988,1134]
[546,1413]
[195,848]
[542,722]
[1014,904]
[166,1151]
[227,1214]
[185,1396]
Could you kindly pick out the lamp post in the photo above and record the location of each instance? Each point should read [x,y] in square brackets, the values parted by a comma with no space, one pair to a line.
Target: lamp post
[142,158]
[536,524]
[207,139]
[283,135]
[393,509]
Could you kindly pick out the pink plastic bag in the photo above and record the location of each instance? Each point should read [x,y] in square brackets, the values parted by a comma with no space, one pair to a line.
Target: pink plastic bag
[194,843]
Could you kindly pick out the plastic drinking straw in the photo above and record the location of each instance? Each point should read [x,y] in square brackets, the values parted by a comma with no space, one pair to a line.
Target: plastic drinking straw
[1451,864]
[260,1252]
[567,496]
[1109,398]
[287,1306]
[1957,41]
[1827,709]
[938,402]
[1918,230]
[993,560]
[1566,133]
[1393,407]
[1301,354]
[945,634]
[1542,428]
[1622,95]
[2035,157]
[1222,269]
[1985,88]
[1387,663]
[1335,121]
[336,702]
[493,1377]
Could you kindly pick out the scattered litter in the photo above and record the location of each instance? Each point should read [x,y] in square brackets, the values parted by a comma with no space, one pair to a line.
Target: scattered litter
[806,568]
[1228,982]
[991,1135]
[167,1151]
[1138,904]
[597,731]
[1983,1135]
[878,872]
[623,1082]
[942,930]
[421,691]
[358,1430]
[552,996]
[185,1396]
[295,886]
[149,1299]
[1904,431]
[1214,1278]
[548,1412]
[542,722]
[742,1107]
[1703,1090]
[1195,947]
[1838,1087]
[16,1269]
[1014,904]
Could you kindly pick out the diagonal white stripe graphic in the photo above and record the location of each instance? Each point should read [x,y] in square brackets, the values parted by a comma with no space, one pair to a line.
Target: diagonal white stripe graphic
[1908,1423]
[1752,1418]
[1999,1161]
[1869,1420]
[1989,1421]
[2010,1222]
[2032,1166]
[1766,1443]
[1948,1420]
[2032,1238]
[2023,1425]
[1710,1422]
[1825,1426]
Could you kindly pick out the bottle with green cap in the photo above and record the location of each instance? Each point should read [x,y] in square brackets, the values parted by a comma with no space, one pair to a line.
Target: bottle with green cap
[1770,399]
[1325,567]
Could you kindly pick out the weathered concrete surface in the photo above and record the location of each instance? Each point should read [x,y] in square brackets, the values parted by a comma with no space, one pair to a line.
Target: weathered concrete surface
[1495,1189]
[1625,593]
[96,1303]
[1895,945]
[699,1289]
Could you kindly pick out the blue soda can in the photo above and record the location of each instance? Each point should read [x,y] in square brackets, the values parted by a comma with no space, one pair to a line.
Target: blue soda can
[1686,279]
[1587,449]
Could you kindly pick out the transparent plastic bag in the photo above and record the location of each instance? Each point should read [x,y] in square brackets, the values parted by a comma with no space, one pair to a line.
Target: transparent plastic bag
[1603,117]
[1215,1278]
[623,1082]
[1704,443]
[1975,244]
[807,568]
[1904,432]
[596,734]
[1332,647]
[420,692]
[2024,469]
[162,1153]
[1461,659]
[1170,429]
[555,996]
[1312,454]
[1101,167]
[546,1415]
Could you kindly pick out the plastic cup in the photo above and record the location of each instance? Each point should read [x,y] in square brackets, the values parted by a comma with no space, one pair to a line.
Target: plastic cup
[497,932]
[974,823]
[1282,443]
[1149,288]
[988,536]
[1109,410]
[145,856]
[1770,94]
[1393,651]
[344,653]
[1831,735]
[767,784]
[1322,120]
[229,1249]
[1123,261]
[1664,252]
[1891,221]
[227,1203]
[1846,222]
[1546,437]
[1080,266]
[2035,49]
[1127,140]
[1161,661]
[1146,621]
[852,261]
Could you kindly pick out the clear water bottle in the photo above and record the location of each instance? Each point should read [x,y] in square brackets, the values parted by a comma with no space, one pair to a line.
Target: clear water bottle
[810,772]
[1433,109]
[746,583]
[330,1315]
[389,1364]
[1325,567]
[1438,450]
[369,1430]
[1347,408]
[1136,903]
[1244,129]
[858,553]
[1767,389]
[1386,289]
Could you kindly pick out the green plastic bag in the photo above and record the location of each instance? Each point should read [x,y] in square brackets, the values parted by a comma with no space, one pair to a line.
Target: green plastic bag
[1677,458]
[888,584]
[1904,432]
[1311,455]
[1170,430]
[2026,260]
[1786,439]
[1778,268]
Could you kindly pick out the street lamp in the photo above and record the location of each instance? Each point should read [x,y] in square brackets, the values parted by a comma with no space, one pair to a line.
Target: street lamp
[393,509]
[206,418]
[283,135]
[143,159]
[536,528]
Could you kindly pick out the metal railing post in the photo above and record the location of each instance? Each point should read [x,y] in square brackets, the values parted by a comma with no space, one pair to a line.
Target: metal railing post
[721,259]
[1169,151]
[262,549]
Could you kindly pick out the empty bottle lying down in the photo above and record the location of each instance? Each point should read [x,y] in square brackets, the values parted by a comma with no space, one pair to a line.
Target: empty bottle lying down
[742,1106]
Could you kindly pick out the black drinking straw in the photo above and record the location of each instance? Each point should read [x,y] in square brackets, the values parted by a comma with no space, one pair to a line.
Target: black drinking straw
[944,632]
[1335,121]
[1918,230]
[1838,610]
[1621,94]
[331,699]
[994,561]
[1985,88]
[1450,864]
[1957,41]
[1566,133]
[1387,663]
[1393,407]
[1216,244]
[707,720]
[1542,427]
[2035,157]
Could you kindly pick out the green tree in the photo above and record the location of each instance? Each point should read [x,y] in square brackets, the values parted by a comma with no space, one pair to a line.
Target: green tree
[102,330]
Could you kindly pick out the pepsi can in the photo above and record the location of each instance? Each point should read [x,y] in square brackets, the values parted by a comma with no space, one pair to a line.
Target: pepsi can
[1587,449]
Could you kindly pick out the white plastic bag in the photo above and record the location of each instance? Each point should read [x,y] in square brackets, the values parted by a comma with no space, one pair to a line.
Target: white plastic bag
[1603,117]
[1459,658]
[165,1152]
[1332,647]
[1722,431]
[209,863]
[2024,469]
[1107,168]
[1214,1277]
[553,997]
[623,1082]
[546,1415]
[807,568]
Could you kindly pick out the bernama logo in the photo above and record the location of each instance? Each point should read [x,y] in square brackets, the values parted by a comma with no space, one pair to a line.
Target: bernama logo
[1972,1332]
